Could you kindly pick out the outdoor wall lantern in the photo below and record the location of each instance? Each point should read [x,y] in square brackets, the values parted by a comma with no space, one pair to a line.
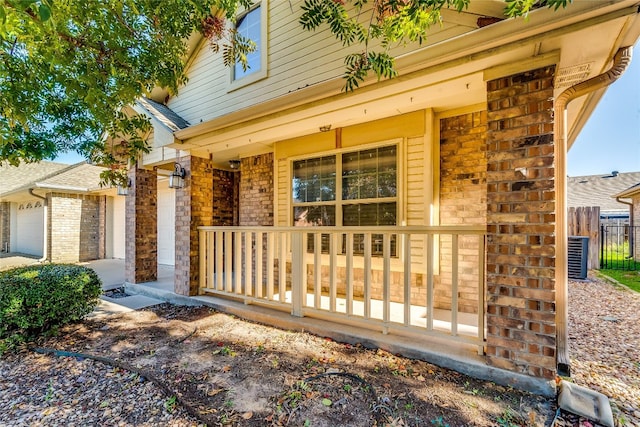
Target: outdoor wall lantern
[234,164]
[123,190]
[176,179]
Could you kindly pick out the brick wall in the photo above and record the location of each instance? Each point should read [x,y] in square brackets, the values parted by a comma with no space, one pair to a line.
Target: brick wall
[463,201]
[194,208]
[141,227]
[225,197]
[256,190]
[74,227]
[5,225]
[521,332]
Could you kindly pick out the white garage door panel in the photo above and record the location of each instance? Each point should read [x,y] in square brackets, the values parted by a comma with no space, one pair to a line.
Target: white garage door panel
[119,227]
[30,228]
[166,224]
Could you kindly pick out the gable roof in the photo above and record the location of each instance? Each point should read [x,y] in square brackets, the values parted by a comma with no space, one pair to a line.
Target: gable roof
[80,177]
[600,190]
[630,192]
[163,114]
[16,177]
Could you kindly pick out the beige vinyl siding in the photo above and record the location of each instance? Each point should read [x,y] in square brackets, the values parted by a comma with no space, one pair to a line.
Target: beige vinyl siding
[415,197]
[282,196]
[296,59]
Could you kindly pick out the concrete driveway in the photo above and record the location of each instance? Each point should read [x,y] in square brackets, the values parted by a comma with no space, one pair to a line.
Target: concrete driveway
[12,260]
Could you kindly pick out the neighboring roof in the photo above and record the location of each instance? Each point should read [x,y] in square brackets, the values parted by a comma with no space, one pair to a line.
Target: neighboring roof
[163,114]
[13,178]
[630,192]
[600,190]
[81,177]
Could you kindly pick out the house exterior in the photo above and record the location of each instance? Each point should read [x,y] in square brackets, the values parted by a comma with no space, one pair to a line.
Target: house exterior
[431,206]
[59,213]
[632,196]
[601,191]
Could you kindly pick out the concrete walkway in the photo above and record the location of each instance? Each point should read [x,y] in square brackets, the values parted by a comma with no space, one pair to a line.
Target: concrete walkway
[111,272]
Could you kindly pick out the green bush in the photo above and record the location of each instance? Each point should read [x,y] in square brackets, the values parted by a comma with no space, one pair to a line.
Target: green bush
[38,298]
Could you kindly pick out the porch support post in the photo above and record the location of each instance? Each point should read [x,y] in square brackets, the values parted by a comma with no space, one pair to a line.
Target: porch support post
[141,228]
[194,208]
[521,242]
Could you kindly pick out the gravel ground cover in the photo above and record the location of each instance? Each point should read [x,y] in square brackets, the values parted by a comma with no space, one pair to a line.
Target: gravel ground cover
[604,342]
[239,373]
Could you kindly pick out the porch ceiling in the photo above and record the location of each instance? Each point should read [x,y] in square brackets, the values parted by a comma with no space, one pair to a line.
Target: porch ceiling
[585,50]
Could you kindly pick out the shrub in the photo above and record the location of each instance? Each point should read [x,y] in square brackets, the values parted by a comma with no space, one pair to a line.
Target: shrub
[37,298]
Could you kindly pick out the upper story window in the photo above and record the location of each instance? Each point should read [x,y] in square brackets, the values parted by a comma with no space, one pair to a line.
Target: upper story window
[252,24]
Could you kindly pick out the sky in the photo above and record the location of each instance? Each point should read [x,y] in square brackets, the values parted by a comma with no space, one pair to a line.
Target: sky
[609,141]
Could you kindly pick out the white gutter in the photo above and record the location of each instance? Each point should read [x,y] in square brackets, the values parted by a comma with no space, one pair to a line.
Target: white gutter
[61,187]
[620,63]
[45,234]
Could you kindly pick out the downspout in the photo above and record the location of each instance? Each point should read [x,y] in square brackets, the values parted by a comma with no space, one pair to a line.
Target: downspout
[621,61]
[45,234]
[631,224]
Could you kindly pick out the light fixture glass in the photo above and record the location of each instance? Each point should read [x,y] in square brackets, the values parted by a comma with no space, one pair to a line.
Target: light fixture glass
[234,164]
[176,179]
[123,190]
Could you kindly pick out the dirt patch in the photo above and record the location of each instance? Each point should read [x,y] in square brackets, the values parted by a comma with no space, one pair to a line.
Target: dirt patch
[234,372]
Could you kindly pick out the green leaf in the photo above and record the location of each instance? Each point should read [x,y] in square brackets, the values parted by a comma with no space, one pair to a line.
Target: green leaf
[45,12]
[327,402]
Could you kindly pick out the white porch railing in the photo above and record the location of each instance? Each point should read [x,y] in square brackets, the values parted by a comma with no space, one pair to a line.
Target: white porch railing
[426,280]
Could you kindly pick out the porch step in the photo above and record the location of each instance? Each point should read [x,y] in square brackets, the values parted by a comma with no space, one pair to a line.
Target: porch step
[586,403]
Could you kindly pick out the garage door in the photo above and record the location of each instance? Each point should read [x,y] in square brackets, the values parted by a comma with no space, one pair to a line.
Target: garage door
[30,228]
[118,230]
[166,223]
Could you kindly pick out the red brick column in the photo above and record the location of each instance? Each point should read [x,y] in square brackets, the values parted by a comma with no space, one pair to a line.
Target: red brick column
[194,208]
[141,229]
[521,328]
[256,190]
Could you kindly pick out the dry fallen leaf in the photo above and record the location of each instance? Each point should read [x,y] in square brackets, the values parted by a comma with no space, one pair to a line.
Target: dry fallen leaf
[247,415]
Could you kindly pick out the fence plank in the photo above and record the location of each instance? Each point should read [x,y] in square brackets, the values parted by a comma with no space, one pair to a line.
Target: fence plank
[585,221]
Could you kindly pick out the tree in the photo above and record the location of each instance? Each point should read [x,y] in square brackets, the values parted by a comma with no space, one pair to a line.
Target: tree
[386,23]
[68,67]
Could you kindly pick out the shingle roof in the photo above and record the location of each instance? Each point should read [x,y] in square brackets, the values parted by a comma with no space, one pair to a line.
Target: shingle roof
[629,192]
[79,177]
[15,177]
[600,190]
[164,114]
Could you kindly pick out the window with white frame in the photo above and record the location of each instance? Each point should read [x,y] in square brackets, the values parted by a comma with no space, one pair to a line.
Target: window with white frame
[352,188]
[250,26]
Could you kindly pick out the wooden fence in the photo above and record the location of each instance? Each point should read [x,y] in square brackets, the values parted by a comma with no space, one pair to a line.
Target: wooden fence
[585,221]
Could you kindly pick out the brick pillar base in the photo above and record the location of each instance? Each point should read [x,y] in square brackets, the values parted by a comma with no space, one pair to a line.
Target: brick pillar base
[5,226]
[194,208]
[141,229]
[521,328]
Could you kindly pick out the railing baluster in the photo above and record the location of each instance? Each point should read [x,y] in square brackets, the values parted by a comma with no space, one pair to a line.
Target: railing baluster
[429,264]
[218,261]
[270,266]
[481,291]
[386,282]
[248,263]
[333,270]
[237,263]
[349,272]
[202,236]
[317,270]
[406,248]
[367,275]
[454,284]
[259,264]
[282,266]
[297,273]
[211,259]
[228,254]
